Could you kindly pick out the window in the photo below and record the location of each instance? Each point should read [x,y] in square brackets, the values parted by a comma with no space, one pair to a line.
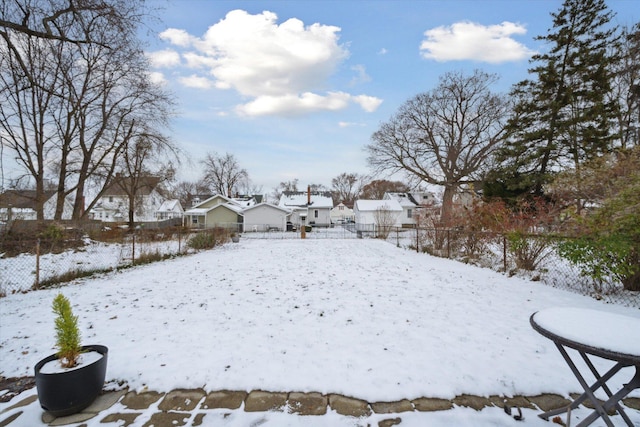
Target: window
[194,219]
[315,213]
[409,213]
[110,199]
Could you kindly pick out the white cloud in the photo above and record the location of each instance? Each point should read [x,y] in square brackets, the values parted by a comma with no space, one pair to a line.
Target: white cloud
[361,75]
[257,57]
[279,67]
[195,81]
[383,51]
[164,58]
[177,37]
[157,78]
[471,41]
[305,103]
[349,124]
[368,103]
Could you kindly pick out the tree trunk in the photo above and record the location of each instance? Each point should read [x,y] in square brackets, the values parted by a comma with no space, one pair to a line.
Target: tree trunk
[447,205]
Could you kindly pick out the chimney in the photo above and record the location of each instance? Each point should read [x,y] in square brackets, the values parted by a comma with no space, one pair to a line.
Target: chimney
[308,195]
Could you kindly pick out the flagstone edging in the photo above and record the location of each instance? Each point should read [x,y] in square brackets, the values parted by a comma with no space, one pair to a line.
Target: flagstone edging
[178,406]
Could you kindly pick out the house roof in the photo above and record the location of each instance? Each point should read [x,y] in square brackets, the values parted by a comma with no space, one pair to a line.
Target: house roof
[22,199]
[373,205]
[299,199]
[269,205]
[119,185]
[226,199]
[202,211]
[170,206]
[409,199]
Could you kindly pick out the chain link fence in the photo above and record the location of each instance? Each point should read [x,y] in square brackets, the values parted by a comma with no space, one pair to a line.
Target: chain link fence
[45,261]
[42,263]
[531,256]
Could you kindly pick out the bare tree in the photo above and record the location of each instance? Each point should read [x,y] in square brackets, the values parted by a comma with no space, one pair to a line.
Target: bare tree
[77,89]
[384,219]
[375,189]
[48,19]
[224,174]
[145,159]
[317,188]
[291,185]
[347,187]
[445,136]
[184,191]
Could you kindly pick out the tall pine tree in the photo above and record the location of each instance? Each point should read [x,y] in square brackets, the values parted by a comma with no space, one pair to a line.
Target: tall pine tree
[562,116]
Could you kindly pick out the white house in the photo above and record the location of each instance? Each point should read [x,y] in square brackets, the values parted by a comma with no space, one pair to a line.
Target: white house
[342,214]
[265,217]
[113,205]
[169,209]
[308,208]
[368,213]
[216,211]
[21,204]
[411,202]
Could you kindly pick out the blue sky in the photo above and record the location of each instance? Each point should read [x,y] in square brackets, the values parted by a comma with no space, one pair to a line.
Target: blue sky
[294,89]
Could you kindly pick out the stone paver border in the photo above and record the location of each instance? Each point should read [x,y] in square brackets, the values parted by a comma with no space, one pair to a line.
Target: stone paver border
[178,407]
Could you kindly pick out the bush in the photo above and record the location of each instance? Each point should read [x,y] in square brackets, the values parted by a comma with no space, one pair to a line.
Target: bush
[53,232]
[603,259]
[528,251]
[208,239]
[607,242]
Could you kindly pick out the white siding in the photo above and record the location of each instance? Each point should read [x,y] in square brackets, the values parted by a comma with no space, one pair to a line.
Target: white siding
[263,217]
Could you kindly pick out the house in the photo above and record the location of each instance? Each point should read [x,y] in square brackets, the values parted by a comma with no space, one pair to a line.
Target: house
[411,203]
[113,205]
[308,208]
[196,199]
[169,209]
[246,201]
[216,211]
[21,204]
[265,217]
[371,213]
[342,214]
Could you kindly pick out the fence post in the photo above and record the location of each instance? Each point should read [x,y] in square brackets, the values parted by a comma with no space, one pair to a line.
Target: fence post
[448,243]
[133,249]
[504,252]
[37,284]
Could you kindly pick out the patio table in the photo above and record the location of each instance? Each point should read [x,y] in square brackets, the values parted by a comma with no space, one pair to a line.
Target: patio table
[593,333]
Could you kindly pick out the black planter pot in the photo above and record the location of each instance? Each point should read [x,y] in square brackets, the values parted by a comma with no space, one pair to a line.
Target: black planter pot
[66,393]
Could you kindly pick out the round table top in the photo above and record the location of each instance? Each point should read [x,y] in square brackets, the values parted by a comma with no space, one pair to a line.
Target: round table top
[604,334]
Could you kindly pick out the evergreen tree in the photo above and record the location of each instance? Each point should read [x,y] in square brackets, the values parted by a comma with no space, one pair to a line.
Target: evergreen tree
[626,88]
[562,115]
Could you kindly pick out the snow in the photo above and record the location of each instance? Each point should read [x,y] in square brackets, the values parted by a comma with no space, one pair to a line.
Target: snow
[597,329]
[360,317]
[55,366]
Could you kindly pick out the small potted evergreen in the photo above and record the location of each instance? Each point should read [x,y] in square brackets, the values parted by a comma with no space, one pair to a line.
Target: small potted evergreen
[70,380]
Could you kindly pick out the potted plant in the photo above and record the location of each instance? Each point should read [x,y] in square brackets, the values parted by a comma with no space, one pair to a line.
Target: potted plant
[71,379]
[235,237]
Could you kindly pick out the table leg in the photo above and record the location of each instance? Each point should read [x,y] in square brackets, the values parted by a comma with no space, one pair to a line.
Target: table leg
[634,383]
[601,380]
[615,399]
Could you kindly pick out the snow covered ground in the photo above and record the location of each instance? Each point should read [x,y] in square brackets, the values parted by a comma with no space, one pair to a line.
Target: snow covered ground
[361,318]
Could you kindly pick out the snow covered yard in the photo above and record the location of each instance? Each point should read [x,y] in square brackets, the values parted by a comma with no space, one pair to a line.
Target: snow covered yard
[361,318]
